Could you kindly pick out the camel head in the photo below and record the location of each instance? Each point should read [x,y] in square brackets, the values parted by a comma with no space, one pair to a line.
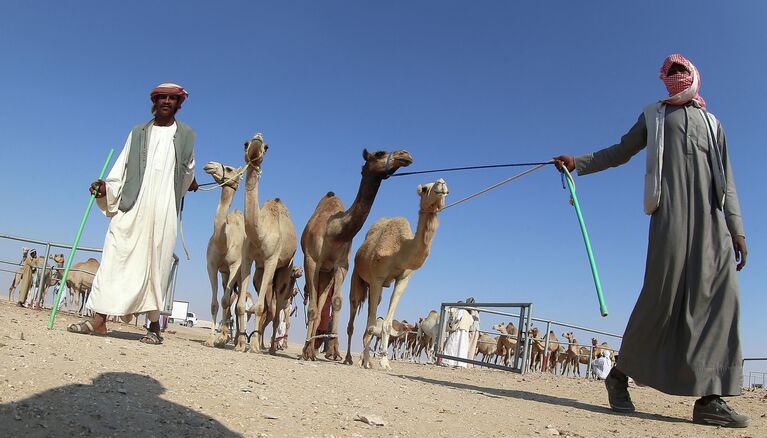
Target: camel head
[296,272]
[223,175]
[534,332]
[594,341]
[569,336]
[382,164]
[255,149]
[432,196]
[57,258]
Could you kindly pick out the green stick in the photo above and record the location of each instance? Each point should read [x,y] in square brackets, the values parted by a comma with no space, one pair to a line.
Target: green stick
[597,283]
[63,282]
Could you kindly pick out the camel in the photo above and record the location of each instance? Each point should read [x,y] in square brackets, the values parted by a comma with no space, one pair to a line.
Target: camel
[271,242]
[428,329]
[596,351]
[506,344]
[487,346]
[224,253]
[51,278]
[327,243]
[80,280]
[572,355]
[280,301]
[391,252]
[397,340]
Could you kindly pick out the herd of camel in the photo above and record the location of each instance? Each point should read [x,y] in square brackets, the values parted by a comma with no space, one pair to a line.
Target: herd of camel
[264,234]
[79,279]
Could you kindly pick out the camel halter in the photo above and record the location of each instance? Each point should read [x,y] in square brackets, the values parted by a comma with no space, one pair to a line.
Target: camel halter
[237,175]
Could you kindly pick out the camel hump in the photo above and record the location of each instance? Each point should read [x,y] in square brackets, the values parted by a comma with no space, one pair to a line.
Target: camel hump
[329,194]
[92,260]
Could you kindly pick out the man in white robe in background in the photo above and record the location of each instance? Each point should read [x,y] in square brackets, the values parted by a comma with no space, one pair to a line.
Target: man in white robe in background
[142,196]
[457,344]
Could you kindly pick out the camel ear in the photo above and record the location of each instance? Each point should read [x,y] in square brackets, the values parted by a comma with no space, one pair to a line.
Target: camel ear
[365,154]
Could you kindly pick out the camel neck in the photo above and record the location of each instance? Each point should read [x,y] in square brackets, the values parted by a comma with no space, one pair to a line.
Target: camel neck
[251,209]
[424,234]
[225,201]
[354,218]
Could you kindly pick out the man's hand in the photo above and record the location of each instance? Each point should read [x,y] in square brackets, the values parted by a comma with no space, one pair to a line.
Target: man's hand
[98,188]
[194,186]
[566,161]
[739,245]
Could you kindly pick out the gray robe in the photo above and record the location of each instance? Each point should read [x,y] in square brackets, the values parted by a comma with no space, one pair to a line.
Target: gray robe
[682,337]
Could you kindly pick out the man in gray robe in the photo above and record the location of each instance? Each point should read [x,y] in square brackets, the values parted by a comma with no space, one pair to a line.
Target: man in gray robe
[682,337]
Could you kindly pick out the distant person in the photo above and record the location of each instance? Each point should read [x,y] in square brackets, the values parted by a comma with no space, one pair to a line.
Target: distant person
[27,272]
[142,196]
[473,332]
[457,344]
[682,337]
[602,365]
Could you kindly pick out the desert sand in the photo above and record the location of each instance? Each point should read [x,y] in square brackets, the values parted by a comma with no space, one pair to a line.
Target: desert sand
[54,383]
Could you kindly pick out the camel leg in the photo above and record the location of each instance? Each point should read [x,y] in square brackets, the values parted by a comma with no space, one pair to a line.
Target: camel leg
[242,296]
[213,277]
[278,301]
[324,282]
[230,283]
[374,293]
[399,288]
[312,312]
[337,301]
[357,293]
[270,266]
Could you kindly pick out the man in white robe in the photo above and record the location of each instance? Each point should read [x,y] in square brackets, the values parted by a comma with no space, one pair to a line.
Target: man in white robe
[457,344]
[141,196]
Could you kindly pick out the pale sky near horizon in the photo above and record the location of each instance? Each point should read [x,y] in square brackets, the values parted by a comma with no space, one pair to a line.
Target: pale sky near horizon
[454,83]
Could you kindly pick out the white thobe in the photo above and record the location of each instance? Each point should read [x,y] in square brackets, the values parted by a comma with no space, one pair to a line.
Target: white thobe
[457,343]
[138,248]
[602,366]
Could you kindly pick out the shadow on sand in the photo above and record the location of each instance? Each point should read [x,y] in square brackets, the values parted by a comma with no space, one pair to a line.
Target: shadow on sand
[541,398]
[116,404]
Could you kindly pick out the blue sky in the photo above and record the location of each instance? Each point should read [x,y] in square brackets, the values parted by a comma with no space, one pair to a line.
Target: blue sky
[455,83]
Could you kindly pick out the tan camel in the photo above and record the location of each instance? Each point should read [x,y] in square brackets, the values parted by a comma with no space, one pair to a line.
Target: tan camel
[487,345]
[596,351]
[224,253]
[51,278]
[389,253]
[327,243]
[271,242]
[80,280]
[280,300]
[506,344]
[572,355]
[428,329]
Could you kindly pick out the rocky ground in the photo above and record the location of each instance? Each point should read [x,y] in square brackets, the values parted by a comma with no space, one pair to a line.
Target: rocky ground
[53,383]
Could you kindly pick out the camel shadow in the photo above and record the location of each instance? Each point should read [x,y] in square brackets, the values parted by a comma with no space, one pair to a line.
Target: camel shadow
[116,404]
[541,398]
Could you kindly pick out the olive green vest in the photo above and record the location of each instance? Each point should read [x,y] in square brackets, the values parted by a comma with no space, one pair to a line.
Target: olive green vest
[183,141]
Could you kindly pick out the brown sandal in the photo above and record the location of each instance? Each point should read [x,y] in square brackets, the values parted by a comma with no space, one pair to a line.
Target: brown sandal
[84,328]
[151,338]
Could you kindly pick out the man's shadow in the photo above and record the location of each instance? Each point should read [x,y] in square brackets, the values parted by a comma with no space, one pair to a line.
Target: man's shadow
[541,398]
[116,404]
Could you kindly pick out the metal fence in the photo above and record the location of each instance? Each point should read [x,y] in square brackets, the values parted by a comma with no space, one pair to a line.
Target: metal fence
[523,349]
[36,291]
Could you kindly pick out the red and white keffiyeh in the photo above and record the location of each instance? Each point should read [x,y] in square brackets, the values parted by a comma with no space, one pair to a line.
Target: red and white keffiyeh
[171,89]
[682,86]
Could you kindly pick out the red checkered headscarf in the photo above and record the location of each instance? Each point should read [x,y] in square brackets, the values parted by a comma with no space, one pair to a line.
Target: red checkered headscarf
[171,89]
[682,86]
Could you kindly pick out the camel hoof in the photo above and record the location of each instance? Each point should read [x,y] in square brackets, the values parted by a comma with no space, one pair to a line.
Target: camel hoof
[273,350]
[348,360]
[210,342]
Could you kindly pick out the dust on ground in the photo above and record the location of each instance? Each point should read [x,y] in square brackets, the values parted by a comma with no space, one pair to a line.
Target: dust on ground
[54,383]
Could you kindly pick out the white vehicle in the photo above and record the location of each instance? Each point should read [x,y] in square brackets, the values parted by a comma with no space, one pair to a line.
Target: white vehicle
[191,319]
[181,315]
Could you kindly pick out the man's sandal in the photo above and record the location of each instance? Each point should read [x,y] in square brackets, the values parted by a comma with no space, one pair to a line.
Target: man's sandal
[151,338]
[84,328]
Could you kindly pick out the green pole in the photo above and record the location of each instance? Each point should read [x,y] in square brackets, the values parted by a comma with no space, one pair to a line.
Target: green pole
[597,283]
[63,282]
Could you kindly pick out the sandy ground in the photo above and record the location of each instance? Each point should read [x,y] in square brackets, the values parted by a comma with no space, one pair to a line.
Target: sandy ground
[53,383]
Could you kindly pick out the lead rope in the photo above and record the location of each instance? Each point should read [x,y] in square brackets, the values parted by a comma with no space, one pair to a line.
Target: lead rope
[507,180]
